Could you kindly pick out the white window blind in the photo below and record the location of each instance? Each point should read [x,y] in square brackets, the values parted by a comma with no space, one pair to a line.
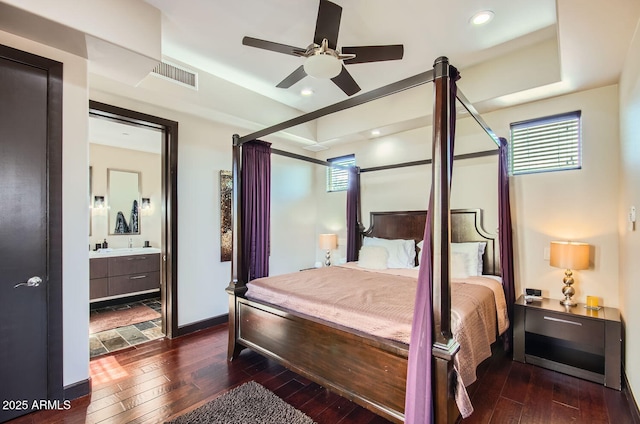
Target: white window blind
[338,176]
[546,144]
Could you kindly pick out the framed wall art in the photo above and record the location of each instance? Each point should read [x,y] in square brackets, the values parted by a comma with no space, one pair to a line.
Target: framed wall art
[226,224]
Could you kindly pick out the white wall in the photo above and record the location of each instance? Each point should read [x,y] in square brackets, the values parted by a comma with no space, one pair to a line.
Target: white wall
[474,182]
[75,217]
[149,165]
[121,38]
[293,215]
[630,196]
[578,205]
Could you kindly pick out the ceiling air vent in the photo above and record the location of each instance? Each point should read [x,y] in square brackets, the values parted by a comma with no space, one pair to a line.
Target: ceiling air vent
[176,74]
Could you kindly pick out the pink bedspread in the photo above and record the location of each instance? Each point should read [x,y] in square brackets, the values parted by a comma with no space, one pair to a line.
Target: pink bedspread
[381,303]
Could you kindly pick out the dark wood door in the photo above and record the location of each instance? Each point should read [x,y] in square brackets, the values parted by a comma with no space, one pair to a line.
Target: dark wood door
[25,238]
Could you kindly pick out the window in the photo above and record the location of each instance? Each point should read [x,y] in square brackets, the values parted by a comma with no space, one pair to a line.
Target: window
[546,144]
[337,176]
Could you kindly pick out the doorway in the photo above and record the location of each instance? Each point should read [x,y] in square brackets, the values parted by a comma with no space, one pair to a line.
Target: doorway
[135,271]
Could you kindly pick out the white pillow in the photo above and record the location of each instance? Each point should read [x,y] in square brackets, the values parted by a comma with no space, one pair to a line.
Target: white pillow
[474,251]
[402,253]
[459,265]
[472,264]
[373,257]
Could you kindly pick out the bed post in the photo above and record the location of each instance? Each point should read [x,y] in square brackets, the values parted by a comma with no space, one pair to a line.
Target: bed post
[237,285]
[444,347]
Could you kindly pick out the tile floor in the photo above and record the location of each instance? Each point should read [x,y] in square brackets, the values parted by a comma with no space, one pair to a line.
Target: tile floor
[123,337]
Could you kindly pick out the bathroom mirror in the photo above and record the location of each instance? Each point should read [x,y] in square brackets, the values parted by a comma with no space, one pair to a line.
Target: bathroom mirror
[123,201]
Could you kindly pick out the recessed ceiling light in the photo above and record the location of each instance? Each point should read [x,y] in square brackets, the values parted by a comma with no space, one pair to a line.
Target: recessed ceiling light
[482,17]
[375,133]
[306,92]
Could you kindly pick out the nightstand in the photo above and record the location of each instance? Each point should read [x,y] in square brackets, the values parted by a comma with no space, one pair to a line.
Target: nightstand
[577,341]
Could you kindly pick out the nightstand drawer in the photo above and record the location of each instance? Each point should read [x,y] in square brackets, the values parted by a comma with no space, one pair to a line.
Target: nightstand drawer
[565,326]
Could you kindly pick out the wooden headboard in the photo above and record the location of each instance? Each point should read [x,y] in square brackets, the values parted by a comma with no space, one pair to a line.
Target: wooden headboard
[466,225]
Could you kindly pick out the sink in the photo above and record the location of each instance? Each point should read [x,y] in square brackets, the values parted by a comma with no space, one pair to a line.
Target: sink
[131,249]
[123,251]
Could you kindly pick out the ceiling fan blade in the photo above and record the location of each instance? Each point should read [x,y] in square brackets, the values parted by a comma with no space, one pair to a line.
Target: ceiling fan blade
[293,78]
[275,47]
[373,53]
[328,23]
[345,81]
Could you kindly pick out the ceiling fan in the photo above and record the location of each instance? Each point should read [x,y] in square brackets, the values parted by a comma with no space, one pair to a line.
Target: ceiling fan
[322,58]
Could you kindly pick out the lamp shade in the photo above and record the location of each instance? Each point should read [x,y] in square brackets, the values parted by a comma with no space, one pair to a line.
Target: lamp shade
[569,255]
[322,65]
[328,241]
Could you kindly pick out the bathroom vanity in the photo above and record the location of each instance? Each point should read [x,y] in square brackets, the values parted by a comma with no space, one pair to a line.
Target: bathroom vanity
[115,273]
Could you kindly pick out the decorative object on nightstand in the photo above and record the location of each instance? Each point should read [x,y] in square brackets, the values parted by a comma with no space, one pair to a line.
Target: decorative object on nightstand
[592,303]
[328,242]
[570,256]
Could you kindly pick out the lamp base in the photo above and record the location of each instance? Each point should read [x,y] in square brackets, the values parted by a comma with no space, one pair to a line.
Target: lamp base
[567,290]
[568,302]
[327,258]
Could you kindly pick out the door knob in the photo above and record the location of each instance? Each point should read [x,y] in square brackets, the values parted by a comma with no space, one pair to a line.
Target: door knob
[31,282]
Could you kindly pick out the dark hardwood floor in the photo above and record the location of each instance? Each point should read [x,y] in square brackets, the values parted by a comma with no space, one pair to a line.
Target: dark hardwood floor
[152,382]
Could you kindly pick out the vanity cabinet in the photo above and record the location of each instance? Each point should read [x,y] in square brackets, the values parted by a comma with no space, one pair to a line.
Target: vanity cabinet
[121,276]
[98,278]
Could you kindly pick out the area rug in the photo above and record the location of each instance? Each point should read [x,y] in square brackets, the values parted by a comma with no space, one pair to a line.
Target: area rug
[246,404]
[113,319]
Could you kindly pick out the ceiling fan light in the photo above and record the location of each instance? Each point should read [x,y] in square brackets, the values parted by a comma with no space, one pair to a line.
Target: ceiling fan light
[322,65]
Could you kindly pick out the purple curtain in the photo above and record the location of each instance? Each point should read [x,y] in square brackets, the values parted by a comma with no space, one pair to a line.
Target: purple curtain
[256,206]
[353,224]
[418,405]
[418,408]
[505,239]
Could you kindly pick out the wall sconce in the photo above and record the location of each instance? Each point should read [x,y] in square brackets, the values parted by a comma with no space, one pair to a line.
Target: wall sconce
[98,202]
[568,255]
[328,242]
[146,203]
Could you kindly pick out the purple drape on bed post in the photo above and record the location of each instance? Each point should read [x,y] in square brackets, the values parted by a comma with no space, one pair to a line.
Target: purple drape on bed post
[418,407]
[505,239]
[353,218]
[256,205]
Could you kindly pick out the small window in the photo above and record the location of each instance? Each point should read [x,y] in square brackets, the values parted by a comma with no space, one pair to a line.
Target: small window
[338,176]
[546,144]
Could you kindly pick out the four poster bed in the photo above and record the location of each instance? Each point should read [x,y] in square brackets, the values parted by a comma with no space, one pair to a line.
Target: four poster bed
[349,351]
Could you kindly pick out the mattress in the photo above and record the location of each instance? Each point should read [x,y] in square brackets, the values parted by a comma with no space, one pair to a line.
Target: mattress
[381,303]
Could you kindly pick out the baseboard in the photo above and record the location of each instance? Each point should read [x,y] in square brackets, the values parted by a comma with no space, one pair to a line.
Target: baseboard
[76,390]
[633,405]
[202,325]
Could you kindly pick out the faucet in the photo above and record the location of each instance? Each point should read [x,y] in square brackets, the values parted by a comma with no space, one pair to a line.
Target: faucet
[130,242]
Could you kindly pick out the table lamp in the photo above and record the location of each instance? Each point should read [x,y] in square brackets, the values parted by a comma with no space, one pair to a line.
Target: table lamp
[328,242]
[570,256]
